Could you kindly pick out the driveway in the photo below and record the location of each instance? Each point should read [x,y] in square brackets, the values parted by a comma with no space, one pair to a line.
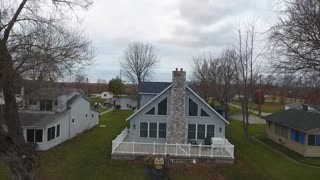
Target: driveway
[252,119]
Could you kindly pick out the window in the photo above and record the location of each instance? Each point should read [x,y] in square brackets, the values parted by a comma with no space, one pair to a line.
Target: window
[162,130]
[32,102]
[151,111]
[191,131]
[201,131]
[162,107]
[210,131]
[281,131]
[86,115]
[46,105]
[92,115]
[297,136]
[193,108]
[153,130]
[73,120]
[34,135]
[51,133]
[204,113]
[220,129]
[143,129]
[56,103]
[58,130]
[314,140]
[30,135]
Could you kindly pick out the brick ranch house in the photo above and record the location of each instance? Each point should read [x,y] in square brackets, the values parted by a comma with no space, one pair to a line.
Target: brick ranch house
[296,129]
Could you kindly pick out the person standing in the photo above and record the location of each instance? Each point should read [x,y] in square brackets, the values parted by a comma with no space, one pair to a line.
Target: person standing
[148,162]
[158,165]
[167,166]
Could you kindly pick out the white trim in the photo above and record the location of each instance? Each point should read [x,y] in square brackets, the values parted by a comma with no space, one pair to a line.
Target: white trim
[207,105]
[149,103]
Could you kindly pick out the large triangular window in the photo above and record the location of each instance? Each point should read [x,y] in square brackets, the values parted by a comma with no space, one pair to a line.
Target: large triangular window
[151,111]
[162,107]
[204,113]
[193,108]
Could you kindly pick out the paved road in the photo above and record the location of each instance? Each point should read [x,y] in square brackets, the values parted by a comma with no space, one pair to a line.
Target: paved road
[252,119]
[255,112]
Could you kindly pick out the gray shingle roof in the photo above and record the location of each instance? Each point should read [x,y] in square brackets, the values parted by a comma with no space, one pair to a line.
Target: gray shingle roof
[50,93]
[36,119]
[153,87]
[297,119]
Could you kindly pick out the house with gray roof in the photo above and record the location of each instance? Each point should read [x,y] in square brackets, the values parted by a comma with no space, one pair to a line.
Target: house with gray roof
[54,115]
[296,129]
[174,120]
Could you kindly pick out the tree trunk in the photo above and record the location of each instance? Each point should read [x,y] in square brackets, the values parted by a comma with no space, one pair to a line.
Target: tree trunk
[14,151]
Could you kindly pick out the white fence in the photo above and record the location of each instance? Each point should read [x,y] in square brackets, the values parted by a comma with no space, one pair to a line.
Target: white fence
[119,139]
[225,150]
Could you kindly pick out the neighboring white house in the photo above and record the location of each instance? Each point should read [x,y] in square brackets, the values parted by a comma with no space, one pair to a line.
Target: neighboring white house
[127,102]
[106,95]
[54,115]
[174,120]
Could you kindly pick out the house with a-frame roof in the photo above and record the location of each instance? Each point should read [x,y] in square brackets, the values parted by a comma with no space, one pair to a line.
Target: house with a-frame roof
[173,119]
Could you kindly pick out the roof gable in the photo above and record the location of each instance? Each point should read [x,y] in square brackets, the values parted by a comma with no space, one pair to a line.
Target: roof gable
[189,89]
[153,87]
[147,104]
[207,105]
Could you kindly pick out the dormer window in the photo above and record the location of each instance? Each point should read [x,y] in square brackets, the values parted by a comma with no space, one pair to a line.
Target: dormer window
[46,105]
[193,108]
[162,107]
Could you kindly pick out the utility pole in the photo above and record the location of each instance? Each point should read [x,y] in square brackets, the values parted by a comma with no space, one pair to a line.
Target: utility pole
[87,87]
[260,94]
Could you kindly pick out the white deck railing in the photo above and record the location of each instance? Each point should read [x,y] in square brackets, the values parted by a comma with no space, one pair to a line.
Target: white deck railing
[225,150]
[119,139]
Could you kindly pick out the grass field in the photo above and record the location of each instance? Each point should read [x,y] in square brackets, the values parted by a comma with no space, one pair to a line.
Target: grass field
[268,107]
[292,154]
[88,157]
[96,99]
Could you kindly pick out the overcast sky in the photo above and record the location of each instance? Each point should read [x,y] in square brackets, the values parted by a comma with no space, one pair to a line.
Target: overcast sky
[179,30]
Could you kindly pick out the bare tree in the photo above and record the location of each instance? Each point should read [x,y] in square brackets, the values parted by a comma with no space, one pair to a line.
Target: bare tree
[246,72]
[101,81]
[216,75]
[80,80]
[225,78]
[201,66]
[296,37]
[18,18]
[138,60]
[50,53]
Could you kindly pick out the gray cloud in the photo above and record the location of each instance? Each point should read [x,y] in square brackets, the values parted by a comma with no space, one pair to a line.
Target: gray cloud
[206,12]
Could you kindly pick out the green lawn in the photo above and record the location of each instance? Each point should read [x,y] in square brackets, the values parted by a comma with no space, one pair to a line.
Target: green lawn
[99,100]
[96,99]
[88,157]
[268,107]
[292,154]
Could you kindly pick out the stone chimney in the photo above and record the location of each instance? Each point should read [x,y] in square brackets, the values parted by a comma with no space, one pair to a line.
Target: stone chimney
[177,122]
